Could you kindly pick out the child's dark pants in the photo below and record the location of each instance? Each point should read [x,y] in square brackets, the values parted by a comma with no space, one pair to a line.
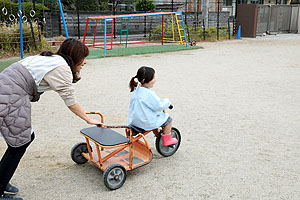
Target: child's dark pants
[9,163]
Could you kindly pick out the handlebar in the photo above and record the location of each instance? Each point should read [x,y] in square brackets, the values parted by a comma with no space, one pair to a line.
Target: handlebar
[96,113]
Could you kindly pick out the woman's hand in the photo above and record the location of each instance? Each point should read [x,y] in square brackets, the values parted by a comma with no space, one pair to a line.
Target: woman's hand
[93,122]
[76,109]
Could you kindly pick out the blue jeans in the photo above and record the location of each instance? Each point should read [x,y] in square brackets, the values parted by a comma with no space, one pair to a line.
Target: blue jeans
[169,120]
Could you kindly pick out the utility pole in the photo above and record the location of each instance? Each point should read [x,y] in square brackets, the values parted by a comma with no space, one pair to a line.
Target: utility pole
[114,13]
[235,13]
[145,22]
[198,11]
[218,20]
[205,8]
[195,13]
[185,11]
[78,23]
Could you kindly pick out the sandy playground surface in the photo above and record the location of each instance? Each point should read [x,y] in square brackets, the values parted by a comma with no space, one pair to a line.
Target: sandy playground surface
[236,104]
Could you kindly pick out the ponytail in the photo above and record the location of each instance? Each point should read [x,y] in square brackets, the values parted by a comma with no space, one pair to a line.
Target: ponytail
[144,75]
[132,84]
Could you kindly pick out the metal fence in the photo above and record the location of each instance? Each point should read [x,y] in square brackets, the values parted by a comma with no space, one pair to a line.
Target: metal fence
[273,19]
[219,24]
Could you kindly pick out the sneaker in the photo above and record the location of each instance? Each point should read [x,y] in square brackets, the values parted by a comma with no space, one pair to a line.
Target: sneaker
[8,197]
[12,190]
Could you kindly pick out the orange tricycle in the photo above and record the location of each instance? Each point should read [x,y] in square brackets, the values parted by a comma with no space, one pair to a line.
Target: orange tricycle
[116,153]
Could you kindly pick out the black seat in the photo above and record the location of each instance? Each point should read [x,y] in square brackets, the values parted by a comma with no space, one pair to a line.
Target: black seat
[136,130]
[104,136]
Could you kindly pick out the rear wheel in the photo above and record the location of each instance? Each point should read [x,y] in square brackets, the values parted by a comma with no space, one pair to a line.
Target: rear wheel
[168,150]
[76,151]
[114,176]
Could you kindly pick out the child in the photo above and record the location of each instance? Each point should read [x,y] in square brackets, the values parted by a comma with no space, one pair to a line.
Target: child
[146,109]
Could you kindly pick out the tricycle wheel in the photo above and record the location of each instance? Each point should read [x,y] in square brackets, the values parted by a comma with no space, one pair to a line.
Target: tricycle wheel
[168,150]
[76,151]
[114,176]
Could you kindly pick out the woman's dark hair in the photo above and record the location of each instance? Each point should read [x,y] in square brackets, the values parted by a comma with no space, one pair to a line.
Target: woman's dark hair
[74,52]
[144,75]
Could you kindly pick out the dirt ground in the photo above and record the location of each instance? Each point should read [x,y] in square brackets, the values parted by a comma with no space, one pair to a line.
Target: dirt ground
[236,104]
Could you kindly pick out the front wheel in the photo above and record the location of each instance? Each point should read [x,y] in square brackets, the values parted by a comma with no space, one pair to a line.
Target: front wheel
[114,176]
[168,150]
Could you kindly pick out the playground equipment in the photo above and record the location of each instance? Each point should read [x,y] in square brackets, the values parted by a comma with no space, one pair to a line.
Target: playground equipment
[115,154]
[4,9]
[23,18]
[180,28]
[109,29]
[190,42]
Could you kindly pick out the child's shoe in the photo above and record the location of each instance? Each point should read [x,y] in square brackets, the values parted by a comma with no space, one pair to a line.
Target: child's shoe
[168,140]
[12,190]
[8,197]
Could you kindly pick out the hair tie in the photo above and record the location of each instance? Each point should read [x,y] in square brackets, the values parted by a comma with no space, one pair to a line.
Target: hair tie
[135,78]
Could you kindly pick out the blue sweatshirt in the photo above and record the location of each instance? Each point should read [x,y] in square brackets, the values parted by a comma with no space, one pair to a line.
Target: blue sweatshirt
[146,109]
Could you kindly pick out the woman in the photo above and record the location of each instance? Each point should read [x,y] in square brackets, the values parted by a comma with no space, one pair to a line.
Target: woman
[23,82]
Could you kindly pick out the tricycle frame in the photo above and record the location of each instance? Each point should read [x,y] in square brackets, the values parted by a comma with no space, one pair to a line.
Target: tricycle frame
[105,157]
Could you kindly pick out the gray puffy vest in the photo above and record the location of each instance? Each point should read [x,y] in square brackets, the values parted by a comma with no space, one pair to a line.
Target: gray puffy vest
[17,90]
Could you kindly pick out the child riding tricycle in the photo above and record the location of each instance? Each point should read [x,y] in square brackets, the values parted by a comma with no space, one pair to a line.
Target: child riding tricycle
[118,153]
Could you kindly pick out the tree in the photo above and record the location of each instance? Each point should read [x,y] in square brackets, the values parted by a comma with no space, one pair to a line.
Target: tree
[90,5]
[103,5]
[145,5]
[68,4]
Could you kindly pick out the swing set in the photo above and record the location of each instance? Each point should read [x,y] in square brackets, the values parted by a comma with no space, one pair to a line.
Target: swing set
[109,29]
[22,18]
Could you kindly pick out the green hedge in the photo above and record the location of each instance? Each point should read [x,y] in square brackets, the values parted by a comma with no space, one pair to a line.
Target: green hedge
[10,39]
